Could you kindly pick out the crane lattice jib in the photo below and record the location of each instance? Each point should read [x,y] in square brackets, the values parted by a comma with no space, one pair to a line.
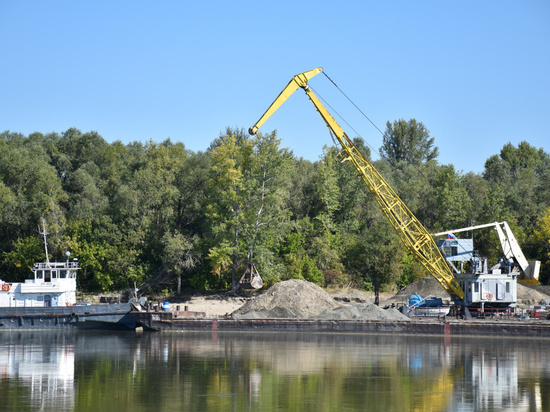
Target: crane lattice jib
[413,234]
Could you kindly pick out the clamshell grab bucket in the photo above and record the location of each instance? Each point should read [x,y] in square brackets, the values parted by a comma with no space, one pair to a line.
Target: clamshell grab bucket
[251,279]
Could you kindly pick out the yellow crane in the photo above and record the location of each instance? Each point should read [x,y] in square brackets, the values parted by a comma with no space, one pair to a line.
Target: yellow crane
[413,234]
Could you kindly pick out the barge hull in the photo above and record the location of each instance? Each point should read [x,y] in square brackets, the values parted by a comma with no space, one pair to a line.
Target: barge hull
[481,328]
[104,316]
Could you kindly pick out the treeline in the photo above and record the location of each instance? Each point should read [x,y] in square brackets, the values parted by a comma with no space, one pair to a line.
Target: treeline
[166,219]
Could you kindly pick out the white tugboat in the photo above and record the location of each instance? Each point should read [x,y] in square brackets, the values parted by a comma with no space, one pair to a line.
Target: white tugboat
[48,300]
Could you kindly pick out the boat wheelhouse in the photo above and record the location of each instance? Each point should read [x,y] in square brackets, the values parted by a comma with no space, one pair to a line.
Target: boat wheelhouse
[53,284]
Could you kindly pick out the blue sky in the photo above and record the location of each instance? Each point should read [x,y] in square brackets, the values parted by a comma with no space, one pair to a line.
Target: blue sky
[475,73]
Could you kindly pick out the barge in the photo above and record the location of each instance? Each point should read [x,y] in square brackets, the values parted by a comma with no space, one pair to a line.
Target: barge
[186,321]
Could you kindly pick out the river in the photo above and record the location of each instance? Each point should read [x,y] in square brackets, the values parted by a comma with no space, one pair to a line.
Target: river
[116,371]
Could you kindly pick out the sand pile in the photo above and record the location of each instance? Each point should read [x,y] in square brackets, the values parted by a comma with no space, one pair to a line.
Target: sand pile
[305,300]
[364,311]
[428,286]
[529,295]
[289,299]
[352,296]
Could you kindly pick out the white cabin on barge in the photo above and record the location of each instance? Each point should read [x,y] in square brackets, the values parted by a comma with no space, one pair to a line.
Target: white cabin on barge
[54,284]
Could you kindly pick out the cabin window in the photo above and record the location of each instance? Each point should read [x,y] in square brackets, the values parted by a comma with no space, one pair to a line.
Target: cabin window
[62,274]
[450,248]
[507,287]
[40,298]
[47,276]
[39,274]
[476,287]
[48,300]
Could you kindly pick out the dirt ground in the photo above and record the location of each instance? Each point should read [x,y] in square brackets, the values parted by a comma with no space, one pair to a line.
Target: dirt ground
[213,306]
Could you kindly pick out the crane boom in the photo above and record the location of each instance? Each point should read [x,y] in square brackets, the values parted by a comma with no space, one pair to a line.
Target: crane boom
[412,233]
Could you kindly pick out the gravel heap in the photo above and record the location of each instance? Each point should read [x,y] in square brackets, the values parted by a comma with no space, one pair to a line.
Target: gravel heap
[363,311]
[289,299]
[352,296]
[305,300]
[428,286]
[530,295]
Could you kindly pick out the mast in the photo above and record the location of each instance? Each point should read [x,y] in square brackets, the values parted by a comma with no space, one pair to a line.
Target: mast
[44,234]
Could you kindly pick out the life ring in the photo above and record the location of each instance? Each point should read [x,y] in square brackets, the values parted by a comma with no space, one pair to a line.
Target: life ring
[489,296]
[6,287]
[69,304]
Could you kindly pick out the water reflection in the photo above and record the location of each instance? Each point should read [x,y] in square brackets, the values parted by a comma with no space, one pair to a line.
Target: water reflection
[75,370]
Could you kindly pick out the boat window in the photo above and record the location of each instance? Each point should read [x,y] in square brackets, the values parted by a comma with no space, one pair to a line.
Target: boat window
[39,274]
[40,298]
[47,276]
[507,287]
[62,274]
[476,287]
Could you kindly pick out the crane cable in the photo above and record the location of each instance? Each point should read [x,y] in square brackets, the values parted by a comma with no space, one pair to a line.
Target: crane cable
[340,116]
[416,167]
[352,102]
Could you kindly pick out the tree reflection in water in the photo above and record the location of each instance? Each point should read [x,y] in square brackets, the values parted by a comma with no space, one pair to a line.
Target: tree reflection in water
[268,371]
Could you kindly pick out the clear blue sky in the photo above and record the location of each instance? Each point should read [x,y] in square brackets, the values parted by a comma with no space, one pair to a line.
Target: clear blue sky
[476,73]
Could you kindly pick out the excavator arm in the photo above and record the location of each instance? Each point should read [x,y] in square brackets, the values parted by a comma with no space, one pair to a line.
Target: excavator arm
[413,234]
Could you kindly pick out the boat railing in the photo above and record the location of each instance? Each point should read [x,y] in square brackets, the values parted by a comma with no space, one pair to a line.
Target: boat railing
[56,265]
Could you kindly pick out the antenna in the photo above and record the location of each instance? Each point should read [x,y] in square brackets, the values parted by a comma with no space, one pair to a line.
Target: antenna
[44,233]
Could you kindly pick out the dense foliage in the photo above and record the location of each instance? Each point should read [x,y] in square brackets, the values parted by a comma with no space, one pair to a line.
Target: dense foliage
[166,218]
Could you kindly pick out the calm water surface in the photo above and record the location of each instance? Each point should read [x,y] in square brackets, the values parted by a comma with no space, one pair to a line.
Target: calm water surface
[92,371]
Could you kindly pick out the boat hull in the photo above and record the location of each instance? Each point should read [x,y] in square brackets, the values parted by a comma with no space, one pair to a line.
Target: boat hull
[104,316]
[430,311]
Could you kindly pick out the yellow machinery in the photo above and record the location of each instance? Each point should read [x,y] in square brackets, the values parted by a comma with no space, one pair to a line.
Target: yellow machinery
[413,234]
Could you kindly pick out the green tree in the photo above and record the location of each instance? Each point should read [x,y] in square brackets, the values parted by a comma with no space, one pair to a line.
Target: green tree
[541,237]
[301,200]
[298,255]
[229,190]
[266,209]
[249,182]
[451,198]
[408,141]
[180,255]
[327,241]
[519,173]
[29,183]
[21,258]
[375,256]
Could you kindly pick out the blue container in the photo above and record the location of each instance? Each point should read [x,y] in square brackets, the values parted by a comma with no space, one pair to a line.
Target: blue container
[166,306]
[414,300]
[433,302]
